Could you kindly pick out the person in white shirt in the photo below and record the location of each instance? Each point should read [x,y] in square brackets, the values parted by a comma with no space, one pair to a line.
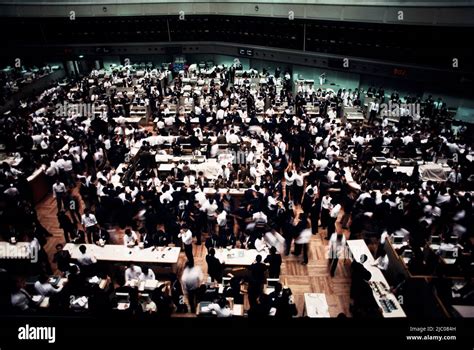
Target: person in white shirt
[232,138]
[222,220]
[21,299]
[191,279]
[325,207]
[210,207]
[337,250]
[298,186]
[290,177]
[44,144]
[373,110]
[132,273]
[189,180]
[455,177]
[147,274]
[59,192]
[259,218]
[220,308]
[220,115]
[333,214]
[89,222]
[260,244]
[303,239]
[187,238]
[44,288]
[130,239]
[85,259]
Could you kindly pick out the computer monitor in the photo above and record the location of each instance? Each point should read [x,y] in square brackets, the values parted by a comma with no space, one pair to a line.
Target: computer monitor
[449,254]
[397,239]
[272,282]
[144,297]
[435,240]
[122,298]
[226,282]
[408,253]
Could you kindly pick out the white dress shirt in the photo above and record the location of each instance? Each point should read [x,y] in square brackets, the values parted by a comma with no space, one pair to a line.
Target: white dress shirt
[86,259]
[133,273]
[88,221]
[186,237]
[46,289]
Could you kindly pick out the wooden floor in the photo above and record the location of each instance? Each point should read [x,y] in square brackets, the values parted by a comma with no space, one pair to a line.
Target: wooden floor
[311,278]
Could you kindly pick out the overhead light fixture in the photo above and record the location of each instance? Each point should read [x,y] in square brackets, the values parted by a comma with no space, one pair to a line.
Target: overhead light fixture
[81,56]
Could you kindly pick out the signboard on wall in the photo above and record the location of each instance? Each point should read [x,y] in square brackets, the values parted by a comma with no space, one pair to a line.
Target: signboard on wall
[400,72]
[245,52]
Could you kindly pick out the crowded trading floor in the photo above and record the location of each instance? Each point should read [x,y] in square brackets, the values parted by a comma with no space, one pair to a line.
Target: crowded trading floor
[144,191]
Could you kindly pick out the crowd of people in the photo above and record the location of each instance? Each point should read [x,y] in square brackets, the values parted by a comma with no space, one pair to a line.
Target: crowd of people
[13,79]
[302,174]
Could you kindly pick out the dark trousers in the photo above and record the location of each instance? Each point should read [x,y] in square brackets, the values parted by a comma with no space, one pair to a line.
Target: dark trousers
[274,273]
[89,232]
[289,193]
[60,201]
[333,266]
[211,224]
[372,116]
[288,241]
[198,235]
[302,247]
[192,300]
[44,261]
[297,193]
[254,292]
[67,233]
[324,217]
[315,215]
[188,250]
[216,276]
[331,226]
[75,215]
[345,220]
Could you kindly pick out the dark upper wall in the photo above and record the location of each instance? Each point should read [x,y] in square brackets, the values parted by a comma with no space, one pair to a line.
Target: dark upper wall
[427,46]
[421,12]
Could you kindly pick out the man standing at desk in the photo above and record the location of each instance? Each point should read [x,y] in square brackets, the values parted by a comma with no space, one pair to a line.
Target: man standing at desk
[257,279]
[214,266]
[274,259]
[187,237]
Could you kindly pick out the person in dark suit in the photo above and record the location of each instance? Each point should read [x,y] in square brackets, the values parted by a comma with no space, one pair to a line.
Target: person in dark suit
[212,241]
[78,237]
[162,239]
[285,306]
[257,279]
[101,234]
[62,258]
[66,224]
[276,295]
[360,277]
[274,259]
[233,290]
[227,239]
[214,266]
[148,239]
